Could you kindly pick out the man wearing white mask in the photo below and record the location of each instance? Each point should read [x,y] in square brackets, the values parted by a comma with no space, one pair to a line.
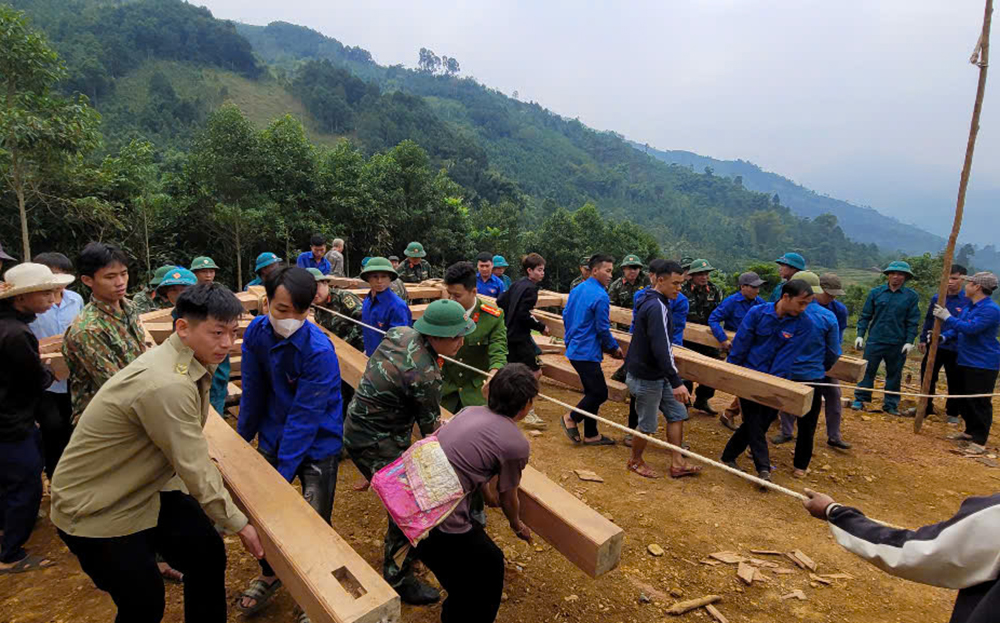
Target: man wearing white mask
[291,402]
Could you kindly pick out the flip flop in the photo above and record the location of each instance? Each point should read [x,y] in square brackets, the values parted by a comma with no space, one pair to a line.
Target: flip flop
[603,441]
[691,470]
[572,433]
[28,563]
[261,592]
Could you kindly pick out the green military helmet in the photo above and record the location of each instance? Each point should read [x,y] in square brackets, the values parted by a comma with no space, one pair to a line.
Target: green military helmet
[444,318]
[585,260]
[319,276]
[158,275]
[686,262]
[178,277]
[632,260]
[700,266]
[379,265]
[414,249]
[898,266]
[202,262]
[498,262]
[811,278]
[264,260]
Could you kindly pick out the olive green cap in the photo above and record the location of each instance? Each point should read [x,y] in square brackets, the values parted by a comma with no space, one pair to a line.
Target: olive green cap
[444,318]
[811,278]
[899,266]
[379,265]
[318,274]
[202,262]
[158,275]
[414,249]
[700,266]
[686,262]
[632,260]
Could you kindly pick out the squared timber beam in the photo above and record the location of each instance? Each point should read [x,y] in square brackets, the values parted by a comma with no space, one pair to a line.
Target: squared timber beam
[558,368]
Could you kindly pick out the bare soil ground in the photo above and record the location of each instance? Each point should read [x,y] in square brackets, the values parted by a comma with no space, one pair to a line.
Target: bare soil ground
[893,475]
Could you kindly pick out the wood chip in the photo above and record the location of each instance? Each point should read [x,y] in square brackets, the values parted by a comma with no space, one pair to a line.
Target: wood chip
[709,561]
[746,573]
[821,580]
[730,558]
[685,606]
[838,576]
[759,576]
[766,552]
[655,549]
[800,559]
[796,594]
[782,571]
[762,563]
[715,614]
[589,476]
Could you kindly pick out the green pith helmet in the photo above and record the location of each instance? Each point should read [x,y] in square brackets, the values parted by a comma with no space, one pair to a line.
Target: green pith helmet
[898,266]
[700,266]
[158,275]
[444,318]
[686,262]
[177,277]
[811,278]
[202,262]
[414,249]
[632,260]
[585,260]
[498,262]
[318,275]
[264,260]
[379,265]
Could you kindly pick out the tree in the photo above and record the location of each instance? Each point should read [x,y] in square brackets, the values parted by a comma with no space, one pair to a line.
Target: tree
[429,62]
[450,64]
[38,130]
[965,255]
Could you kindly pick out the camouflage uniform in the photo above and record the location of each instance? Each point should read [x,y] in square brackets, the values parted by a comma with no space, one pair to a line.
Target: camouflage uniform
[348,304]
[143,303]
[702,301]
[485,349]
[414,274]
[397,286]
[401,386]
[622,292]
[580,279]
[100,342]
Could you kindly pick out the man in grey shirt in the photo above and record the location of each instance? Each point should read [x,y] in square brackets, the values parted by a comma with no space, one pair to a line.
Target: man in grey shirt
[336,258]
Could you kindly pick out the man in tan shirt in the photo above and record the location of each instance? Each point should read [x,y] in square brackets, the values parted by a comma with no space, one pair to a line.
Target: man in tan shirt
[143,427]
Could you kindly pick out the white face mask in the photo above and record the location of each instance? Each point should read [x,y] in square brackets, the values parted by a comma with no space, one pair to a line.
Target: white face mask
[285,326]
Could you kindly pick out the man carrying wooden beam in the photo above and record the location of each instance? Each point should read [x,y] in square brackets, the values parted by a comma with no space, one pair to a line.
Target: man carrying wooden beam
[401,386]
[143,429]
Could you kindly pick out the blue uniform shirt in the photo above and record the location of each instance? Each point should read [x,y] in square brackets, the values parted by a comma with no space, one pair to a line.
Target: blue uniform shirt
[729,314]
[385,311]
[492,287]
[840,311]
[956,304]
[822,347]
[55,322]
[306,260]
[587,323]
[769,344]
[975,333]
[291,395]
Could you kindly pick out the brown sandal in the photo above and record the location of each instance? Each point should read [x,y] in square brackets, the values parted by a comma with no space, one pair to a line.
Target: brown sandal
[690,470]
[642,469]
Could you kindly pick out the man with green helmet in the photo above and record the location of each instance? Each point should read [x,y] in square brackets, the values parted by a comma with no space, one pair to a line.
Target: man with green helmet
[173,283]
[266,262]
[146,301]
[703,297]
[500,266]
[415,269]
[382,308]
[204,268]
[584,272]
[891,321]
[401,386]
[337,300]
[622,290]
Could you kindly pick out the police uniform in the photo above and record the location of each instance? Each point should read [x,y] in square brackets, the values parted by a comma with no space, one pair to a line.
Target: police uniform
[484,349]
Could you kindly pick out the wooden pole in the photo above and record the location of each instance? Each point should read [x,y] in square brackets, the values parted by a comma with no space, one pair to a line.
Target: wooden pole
[981,57]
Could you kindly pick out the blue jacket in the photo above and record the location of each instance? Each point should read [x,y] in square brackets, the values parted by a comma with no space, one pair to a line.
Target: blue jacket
[729,314]
[769,344]
[650,356]
[822,347]
[291,395]
[890,317]
[776,293]
[384,311]
[975,333]
[840,311]
[587,324]
[491,287]
[256,281]
[956,304]
[306,260]
[678,314]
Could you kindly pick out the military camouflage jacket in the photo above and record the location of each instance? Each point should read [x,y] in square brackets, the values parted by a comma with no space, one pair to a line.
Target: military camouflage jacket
[414,274]
[397,286]
[576,282]
[621,292]
[99,343]
[401,385]
[485,349]
[703,301]
[348,304]
[143,303]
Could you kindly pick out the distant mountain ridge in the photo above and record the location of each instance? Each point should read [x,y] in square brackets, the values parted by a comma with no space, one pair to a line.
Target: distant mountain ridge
[863,224]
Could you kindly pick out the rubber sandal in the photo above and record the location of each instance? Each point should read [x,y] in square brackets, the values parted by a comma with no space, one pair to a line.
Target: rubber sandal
[172,575]
[642,469]
[603,441]
[28,563]
[261,592]
[727,420]
[572,433]
[691,470]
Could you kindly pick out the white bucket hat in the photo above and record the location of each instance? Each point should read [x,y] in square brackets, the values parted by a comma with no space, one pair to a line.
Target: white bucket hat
[30,277]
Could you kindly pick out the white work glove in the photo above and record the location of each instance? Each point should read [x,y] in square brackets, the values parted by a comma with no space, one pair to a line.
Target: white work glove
[941,313]
[859,343]
[907,348]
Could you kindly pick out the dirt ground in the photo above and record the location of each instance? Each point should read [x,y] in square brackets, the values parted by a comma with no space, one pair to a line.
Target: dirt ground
[891,474]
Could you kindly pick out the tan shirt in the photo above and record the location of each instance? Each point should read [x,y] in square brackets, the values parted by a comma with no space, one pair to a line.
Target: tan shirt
[142,427]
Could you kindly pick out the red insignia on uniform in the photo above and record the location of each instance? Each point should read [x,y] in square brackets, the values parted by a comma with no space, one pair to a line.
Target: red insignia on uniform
[475,317]
[493,311]
[786,335]
[440,362]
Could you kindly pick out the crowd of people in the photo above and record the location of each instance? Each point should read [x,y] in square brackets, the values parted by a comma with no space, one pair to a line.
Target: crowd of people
[137,500]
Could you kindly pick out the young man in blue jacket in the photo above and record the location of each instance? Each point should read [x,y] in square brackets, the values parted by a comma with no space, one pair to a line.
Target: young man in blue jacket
[730,312]
[315,257]
[975,333]
[291,402]
[487,284]
[587,324]
[769,340]
[947,355]
[382,307]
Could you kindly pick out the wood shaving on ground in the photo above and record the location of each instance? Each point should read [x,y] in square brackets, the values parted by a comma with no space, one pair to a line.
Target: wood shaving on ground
[589,476]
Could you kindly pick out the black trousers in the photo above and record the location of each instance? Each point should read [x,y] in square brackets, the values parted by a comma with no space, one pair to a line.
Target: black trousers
[807,429]
[470,567]
[125,566]
[752,433]
[948,359]
[54,414]
[704,392]
[20,493]
[595,394]
[977,412]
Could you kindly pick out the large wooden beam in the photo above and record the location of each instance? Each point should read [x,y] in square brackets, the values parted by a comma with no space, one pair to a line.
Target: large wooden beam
[325,576]
[578,532]
[162,330]
[414,290]
[558,368]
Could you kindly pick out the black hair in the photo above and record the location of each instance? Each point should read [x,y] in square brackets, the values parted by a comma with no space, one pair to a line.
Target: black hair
[484,257]
[987,291]
[461,273]
[665,267]
[796,288]
[956,269]
[599,258]
[299,282]
[57,261]
[511,389]
[532,261]
[208,300]
[97,255]
[317,240]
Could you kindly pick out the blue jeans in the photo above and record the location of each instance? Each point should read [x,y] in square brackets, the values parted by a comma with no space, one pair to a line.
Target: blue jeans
[651,398]
[892,355]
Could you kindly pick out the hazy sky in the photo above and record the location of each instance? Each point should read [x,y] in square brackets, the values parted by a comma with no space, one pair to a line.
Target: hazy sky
[865,100]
